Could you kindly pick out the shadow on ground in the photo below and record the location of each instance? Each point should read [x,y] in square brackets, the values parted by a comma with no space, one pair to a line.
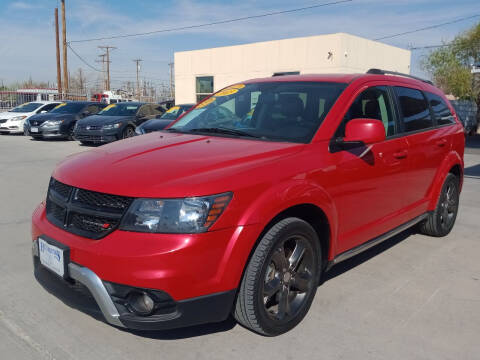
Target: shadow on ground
[473,142]
[80,299]
[472,171]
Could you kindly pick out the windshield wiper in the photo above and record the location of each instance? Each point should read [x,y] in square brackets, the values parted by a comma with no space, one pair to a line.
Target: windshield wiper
[222,130]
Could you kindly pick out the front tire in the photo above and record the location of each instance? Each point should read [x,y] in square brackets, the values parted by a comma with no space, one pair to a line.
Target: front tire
[128,132]
[440,222]
[281,278]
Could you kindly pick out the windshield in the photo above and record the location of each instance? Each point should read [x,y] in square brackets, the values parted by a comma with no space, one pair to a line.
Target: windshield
[120,109]
[174,112]
[27,107]
[68,108]
[278,111]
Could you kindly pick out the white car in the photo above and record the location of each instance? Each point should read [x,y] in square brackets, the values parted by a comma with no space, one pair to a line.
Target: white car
[11,122]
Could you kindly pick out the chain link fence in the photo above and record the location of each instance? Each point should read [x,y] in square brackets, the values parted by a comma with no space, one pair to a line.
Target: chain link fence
[14,97]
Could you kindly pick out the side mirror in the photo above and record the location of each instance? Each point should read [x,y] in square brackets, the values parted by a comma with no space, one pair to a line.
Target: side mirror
[43,111]
[366,131]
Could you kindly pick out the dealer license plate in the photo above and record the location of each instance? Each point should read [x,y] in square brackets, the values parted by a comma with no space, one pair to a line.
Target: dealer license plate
[51,257]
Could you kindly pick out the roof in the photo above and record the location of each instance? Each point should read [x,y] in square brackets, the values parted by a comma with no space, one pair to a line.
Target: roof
[343,78]
[340,78]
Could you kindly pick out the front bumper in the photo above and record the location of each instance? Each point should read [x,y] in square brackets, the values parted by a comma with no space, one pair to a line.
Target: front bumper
[112,299]
[49,132]
[97,136]
[9,128]
[196,273]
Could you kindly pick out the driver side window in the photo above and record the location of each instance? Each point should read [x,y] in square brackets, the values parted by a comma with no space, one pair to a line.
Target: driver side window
[373,103]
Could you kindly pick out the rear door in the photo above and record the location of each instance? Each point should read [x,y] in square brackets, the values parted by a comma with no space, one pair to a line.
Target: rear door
[427,144]
[369,191]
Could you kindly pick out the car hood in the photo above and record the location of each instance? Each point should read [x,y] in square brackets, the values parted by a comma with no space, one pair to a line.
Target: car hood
[102,120]
[162,164]
[155,124]
[9,115]
[41,118]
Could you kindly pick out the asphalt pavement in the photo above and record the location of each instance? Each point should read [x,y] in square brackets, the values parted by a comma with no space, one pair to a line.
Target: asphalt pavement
[412,297]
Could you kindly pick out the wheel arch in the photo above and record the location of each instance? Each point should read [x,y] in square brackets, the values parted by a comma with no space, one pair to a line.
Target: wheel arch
[452,163]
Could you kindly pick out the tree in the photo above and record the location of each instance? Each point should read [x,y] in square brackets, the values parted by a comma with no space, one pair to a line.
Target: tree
[451,65]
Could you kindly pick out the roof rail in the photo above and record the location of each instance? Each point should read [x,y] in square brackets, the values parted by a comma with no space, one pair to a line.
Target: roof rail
[388,72]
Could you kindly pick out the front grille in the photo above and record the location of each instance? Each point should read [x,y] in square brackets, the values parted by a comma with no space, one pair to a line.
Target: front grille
[94,127]
[93,138]
[102,200]
[83,212]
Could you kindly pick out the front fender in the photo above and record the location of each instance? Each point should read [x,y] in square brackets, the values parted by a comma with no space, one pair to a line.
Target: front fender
[452,159]
[286,195]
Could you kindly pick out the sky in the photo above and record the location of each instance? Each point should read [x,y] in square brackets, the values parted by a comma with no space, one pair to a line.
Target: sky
[27,33]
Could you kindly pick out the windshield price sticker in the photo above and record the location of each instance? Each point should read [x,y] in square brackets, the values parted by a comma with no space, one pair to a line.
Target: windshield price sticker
[173,109]
[226,92]
[109,107]
[206,102]
[237,86]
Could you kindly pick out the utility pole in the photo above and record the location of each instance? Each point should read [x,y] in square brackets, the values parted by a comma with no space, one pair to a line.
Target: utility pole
[107,54]
[172,93]
[64,37]
[59,69]
[137,62]
[104,80]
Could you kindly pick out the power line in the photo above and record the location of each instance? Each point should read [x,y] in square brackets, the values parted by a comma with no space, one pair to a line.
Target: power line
[428,47]
[213,23]
[427,28]
[82,59]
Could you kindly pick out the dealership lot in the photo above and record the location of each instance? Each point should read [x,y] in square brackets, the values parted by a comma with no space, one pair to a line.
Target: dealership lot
[413,297]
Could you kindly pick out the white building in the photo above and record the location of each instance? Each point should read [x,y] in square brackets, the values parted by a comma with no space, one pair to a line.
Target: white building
[198,73]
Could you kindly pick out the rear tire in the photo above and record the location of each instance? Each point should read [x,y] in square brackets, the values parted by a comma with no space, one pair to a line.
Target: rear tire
[281,279]
[440,222]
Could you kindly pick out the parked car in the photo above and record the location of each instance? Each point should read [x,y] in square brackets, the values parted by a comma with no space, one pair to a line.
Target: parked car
[167,104]
[162,121]
[115,122]
[467,114]
[242,214]
[59,122]
[12,122]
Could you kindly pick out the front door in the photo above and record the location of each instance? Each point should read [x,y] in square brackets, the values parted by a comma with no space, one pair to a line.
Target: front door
[369,187]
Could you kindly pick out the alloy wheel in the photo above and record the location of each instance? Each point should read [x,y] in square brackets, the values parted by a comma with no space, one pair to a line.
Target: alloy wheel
[289,278]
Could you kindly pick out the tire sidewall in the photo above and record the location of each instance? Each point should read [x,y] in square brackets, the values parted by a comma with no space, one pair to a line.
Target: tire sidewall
[453,180]
[298,227]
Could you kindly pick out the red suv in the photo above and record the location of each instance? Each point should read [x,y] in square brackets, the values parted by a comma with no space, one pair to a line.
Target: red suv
[241,204]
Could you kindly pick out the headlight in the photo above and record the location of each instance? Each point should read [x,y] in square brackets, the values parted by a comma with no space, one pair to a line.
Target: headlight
[52,122]
[112,126]
[181,216]
[18,118]
[139,130]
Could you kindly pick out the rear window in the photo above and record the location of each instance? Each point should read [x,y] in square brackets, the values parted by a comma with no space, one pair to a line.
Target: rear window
[414,108]
[442,113]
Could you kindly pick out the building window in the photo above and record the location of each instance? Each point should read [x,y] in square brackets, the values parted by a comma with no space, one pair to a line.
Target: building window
[204,87]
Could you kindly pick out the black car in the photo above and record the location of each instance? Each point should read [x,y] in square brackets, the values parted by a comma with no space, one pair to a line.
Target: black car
[59,122]
[115,122]
[161,122]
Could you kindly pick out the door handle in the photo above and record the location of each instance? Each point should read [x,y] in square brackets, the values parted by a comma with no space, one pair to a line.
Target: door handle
[441,143]
[400,154]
